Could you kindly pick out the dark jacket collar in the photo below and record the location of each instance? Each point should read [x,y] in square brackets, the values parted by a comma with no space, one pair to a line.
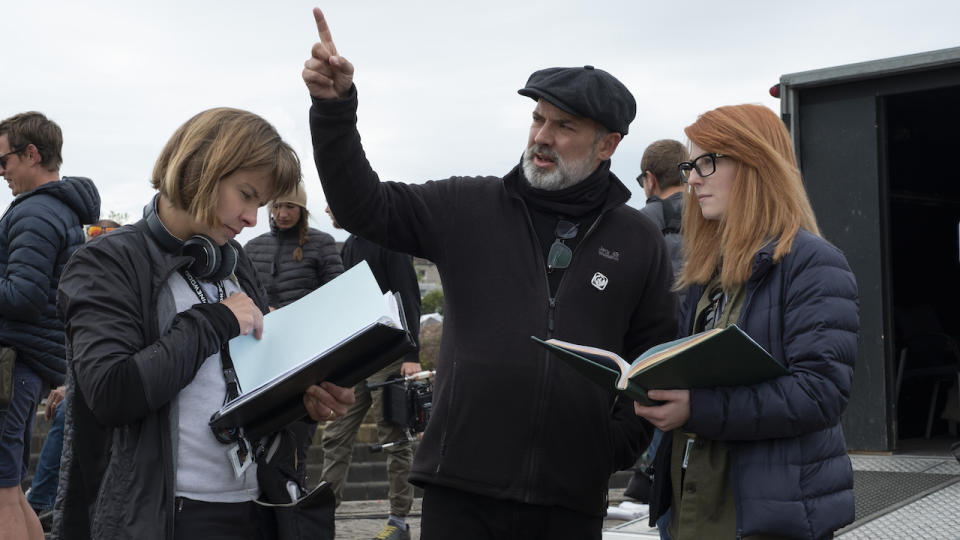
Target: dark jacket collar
[283,233]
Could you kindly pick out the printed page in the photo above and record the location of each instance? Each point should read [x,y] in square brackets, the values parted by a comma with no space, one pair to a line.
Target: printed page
[307,328]
[602,357]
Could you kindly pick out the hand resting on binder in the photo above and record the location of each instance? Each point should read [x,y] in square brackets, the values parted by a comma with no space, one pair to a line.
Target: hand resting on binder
[327,401]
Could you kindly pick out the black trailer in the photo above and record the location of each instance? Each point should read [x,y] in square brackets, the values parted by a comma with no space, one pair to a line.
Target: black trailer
[879,147]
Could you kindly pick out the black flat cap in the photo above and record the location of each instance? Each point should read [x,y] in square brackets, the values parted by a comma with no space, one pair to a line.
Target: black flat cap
[585,91]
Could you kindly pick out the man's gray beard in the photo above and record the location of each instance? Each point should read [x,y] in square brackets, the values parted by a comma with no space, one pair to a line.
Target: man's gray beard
[563,175]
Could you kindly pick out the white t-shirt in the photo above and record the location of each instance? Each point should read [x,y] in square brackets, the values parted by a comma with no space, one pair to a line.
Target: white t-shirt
[203,469]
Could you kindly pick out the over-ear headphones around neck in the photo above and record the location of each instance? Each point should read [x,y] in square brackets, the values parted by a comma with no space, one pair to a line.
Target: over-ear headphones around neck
[210,261]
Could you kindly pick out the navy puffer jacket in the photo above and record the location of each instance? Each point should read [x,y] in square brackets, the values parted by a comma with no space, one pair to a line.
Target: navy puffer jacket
[38,233]
[791,474]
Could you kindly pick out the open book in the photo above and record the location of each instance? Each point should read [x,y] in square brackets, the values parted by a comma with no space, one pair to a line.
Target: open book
[342,332]
[718,357]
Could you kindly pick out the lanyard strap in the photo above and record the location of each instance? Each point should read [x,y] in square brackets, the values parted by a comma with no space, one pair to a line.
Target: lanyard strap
[226,362]
[197,290]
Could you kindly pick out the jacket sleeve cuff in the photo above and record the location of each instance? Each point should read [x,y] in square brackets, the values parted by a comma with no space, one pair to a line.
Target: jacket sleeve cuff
[224,322]
[336,107]
[698,423]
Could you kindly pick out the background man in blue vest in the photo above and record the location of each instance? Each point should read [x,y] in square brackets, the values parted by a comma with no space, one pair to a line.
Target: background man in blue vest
[38,233]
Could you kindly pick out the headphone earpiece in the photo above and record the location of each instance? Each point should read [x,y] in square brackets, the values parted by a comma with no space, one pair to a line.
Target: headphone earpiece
[210,261]
[228,262]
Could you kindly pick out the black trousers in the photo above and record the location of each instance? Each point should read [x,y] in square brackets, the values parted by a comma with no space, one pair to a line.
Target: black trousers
[215,521]
[450,513]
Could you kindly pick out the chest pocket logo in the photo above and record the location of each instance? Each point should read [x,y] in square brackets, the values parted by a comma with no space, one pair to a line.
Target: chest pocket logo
[599,281]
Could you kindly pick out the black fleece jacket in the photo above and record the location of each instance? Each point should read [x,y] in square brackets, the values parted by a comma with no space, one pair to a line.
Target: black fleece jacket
[393,272]
[126,362]
[509,421]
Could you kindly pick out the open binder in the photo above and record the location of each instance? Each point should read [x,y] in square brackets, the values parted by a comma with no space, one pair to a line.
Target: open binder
[343,332]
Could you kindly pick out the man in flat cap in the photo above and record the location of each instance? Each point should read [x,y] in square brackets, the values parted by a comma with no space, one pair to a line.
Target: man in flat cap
[519,444]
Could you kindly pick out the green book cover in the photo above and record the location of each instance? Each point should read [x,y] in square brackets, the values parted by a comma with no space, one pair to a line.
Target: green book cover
[719,357]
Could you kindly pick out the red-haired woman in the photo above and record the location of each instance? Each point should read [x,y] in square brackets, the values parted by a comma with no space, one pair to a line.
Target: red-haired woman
[767,460]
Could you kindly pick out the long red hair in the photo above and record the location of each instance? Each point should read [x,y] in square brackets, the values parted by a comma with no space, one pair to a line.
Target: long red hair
[767,199]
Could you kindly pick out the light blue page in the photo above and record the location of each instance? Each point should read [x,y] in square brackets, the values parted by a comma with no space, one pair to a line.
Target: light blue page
[307,328]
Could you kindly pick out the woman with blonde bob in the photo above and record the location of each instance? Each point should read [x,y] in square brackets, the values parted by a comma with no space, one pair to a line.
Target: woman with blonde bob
[767,460]
[147,309]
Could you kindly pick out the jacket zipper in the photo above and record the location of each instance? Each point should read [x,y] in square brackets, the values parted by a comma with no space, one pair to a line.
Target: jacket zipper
[551,323]
[551,327]
[449,400]
[165,441]
[751,293]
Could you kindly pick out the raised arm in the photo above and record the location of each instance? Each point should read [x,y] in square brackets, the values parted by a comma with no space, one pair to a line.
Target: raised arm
[327,74]
[410,218]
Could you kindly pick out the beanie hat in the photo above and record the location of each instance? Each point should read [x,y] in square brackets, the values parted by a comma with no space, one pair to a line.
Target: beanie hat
[297,196]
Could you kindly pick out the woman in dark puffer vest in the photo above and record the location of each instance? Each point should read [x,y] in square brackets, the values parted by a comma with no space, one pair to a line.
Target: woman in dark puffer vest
[767,460]
[293,259]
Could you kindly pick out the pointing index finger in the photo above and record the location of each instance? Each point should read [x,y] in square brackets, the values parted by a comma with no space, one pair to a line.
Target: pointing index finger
[325,37]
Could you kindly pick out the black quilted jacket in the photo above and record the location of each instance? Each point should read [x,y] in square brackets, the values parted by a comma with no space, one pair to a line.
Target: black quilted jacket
[129,353]
[285,279]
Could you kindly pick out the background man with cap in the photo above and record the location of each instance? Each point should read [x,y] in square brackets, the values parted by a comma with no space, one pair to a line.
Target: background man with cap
[519,444]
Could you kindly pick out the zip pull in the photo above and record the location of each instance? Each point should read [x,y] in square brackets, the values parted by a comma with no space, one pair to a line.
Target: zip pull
[686,454]
[550,322]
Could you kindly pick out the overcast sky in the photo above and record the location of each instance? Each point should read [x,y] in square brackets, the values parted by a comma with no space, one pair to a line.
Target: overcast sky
[437,80]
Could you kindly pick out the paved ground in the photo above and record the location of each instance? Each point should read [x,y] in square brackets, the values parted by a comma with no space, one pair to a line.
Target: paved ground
[363,519]
[928,515]
[357,520]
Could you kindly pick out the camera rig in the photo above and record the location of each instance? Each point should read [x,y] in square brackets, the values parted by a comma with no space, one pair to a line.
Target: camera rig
[407,401]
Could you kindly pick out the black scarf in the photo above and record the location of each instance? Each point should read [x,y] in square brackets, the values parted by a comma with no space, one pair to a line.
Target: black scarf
[582,198]
[580,203]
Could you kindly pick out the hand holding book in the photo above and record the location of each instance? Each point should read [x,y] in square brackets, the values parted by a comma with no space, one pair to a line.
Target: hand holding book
[718,357]
[672,412]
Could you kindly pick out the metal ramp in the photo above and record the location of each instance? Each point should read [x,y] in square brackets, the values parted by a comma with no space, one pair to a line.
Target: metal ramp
[897,497]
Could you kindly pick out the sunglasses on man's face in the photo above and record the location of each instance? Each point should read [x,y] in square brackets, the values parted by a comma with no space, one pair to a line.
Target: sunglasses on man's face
[3,158]
[94,231]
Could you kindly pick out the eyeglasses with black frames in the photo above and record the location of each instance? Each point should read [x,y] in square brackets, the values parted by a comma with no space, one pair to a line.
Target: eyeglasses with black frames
[560,254]
[3,158]
[705,165]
